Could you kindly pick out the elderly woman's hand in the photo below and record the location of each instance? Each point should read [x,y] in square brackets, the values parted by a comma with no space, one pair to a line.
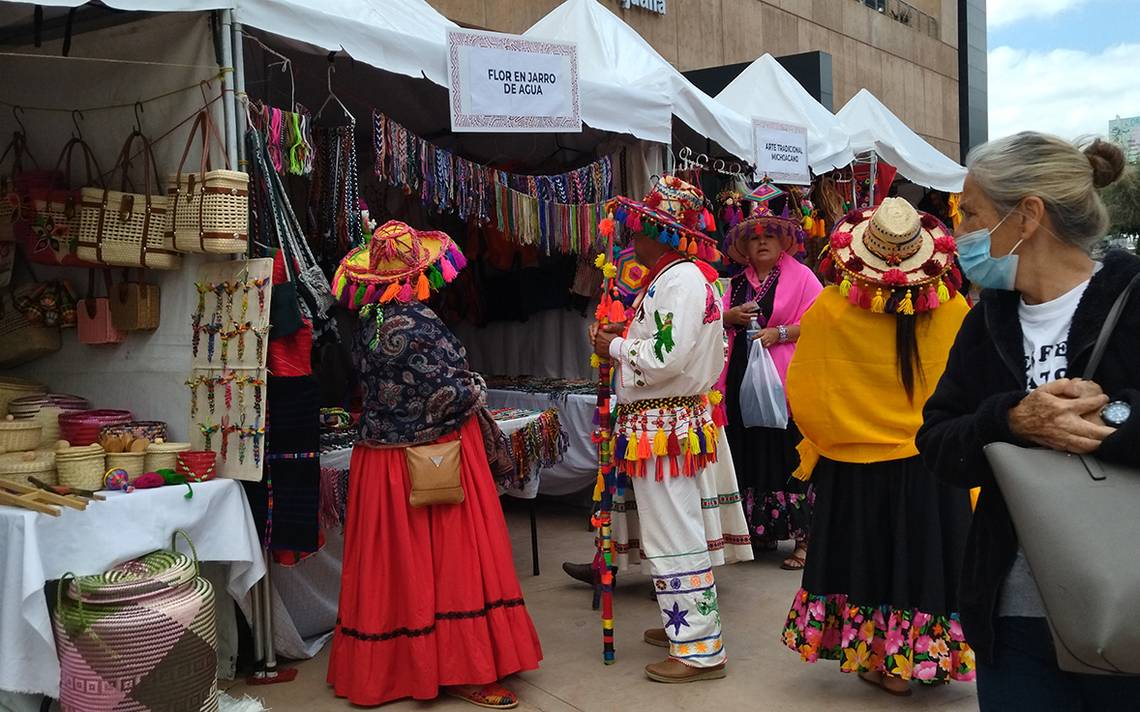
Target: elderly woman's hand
[1057,416]
[741,316]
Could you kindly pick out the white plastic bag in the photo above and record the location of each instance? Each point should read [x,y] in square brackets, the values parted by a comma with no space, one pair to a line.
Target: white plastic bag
[762,403]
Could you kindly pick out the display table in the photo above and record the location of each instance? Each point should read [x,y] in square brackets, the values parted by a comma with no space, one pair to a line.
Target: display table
[579,467]
[37,548]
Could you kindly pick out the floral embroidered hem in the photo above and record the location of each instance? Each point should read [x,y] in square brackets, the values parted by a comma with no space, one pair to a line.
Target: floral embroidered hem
[904,643]
[779,516]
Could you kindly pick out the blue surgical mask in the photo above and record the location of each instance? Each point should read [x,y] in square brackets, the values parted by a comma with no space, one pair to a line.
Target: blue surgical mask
[980,267]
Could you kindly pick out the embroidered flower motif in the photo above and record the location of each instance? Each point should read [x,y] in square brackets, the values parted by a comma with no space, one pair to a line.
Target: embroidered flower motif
[902,666]
[839,240]
[926,670]
[894,278]
[932,268]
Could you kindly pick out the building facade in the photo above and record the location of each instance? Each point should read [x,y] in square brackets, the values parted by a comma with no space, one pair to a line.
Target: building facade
[906,53]
[1126,134]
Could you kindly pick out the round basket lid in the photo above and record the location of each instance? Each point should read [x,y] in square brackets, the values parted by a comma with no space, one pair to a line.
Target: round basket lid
[29,406]
[78,453]
[145,576]
[169,448]
[21,384]
[18,425]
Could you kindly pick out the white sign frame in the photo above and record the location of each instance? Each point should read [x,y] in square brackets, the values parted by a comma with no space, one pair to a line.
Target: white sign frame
[787,135]
[464,117]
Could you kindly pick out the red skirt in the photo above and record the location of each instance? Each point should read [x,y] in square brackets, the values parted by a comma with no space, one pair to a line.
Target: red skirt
[429,596]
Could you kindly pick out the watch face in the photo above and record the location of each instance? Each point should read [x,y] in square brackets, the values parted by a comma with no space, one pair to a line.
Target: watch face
[1116,413]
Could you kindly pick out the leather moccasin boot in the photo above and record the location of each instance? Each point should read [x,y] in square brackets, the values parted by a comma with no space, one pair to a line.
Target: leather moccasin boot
[674,671]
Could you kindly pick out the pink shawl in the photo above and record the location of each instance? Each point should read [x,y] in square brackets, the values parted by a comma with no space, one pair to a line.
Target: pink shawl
[796,290]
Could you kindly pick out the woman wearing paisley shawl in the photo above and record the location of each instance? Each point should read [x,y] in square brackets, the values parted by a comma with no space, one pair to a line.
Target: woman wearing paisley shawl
[429,601]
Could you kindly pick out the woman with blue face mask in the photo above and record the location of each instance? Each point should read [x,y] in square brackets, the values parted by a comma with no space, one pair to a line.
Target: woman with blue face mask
[1031,215]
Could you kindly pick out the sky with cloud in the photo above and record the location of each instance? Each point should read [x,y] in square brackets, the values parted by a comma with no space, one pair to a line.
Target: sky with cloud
[1062,66]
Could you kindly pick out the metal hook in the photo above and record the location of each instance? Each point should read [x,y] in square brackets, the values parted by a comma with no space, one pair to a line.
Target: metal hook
[76,117]
[16,111]
[139,110]
[332,94]
[703,160]
[719,165]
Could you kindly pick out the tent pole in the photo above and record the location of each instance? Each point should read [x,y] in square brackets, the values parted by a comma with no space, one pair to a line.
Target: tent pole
[873,173]
[239,96]
[228,87]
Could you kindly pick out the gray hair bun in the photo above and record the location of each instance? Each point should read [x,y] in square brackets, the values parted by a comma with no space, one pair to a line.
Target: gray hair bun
[1107,161]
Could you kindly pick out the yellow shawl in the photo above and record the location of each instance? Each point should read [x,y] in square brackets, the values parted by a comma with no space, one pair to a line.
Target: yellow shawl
[843,384]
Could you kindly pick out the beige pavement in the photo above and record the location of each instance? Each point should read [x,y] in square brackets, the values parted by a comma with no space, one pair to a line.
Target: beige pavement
[762,674]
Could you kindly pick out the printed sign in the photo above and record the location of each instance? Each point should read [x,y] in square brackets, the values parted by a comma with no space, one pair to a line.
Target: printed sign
[781,152]
[506,83]
[657,6]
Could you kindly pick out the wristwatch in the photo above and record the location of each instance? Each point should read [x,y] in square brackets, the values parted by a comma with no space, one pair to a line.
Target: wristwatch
[783,333]
[1116,413]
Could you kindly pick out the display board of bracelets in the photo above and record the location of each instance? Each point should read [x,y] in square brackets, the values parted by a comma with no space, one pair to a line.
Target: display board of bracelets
[227,381]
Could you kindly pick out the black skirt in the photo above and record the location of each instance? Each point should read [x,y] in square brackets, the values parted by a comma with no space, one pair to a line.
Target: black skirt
[887,533]
[777,505]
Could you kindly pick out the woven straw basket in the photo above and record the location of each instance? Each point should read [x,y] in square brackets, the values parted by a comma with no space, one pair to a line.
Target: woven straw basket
[209,210]
[135,306]
[81,467]
[140,636]
[13,388]
[19,435]
[20,340]
[163,456]
[132,462]
[18,467]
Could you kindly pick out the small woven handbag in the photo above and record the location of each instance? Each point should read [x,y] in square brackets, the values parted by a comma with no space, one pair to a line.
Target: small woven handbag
[14,204]
[127,229]
[142,635]
[209,210]
[135,305]
[95,323]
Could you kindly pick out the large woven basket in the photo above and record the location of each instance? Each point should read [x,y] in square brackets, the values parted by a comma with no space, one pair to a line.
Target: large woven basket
[19,435]
[81,467]
[163,456]
[140,636]
[209,209]
[13,388]
[20,340]
[19,466]
[84,427]
[45,409]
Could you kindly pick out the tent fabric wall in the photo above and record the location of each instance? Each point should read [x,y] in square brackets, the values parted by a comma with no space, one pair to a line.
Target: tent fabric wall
[146,373]
[766,90]
[873,127]
[611,52]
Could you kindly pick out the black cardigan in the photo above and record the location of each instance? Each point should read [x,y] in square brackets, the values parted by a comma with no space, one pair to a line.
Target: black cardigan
[984,378]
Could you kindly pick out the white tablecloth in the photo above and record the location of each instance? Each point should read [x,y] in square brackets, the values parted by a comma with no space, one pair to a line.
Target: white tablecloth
[579,467]
[37,548]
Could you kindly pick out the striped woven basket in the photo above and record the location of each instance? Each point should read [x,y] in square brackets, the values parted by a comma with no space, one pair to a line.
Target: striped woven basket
[140,636]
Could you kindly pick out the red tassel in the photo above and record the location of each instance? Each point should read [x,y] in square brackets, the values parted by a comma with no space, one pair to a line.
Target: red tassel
[633,221]
[607,227]
[710,223]
[644,449]
[660,469]
[674,444]
[617,312]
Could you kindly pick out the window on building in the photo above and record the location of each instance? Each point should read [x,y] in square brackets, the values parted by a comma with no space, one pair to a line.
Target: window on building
[880,5]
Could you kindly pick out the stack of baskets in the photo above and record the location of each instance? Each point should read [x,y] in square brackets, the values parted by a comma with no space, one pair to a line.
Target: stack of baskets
[81,467]
[45,409]
[140,636]
[84,427]
[152,430]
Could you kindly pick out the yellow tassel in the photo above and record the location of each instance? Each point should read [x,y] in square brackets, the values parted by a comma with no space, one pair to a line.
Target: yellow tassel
[906,306]
[600,260]
[595,360]
[943,293]
[694,443]
[845,286]
[716,397]
[609,271]
[878,304]
[809,224]
[631,450]
[598,487]
[710,439]
[660,444]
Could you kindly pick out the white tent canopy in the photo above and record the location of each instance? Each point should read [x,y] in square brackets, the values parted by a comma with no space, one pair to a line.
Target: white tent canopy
[610,51]
[405,37]
[766,90]
[873,127]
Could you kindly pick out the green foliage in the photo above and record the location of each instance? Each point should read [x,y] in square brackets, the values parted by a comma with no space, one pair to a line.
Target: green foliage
[1123,201]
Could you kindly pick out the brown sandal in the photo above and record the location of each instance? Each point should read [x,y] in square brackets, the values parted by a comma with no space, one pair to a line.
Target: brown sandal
[797,561]
[492,697]
[881,683]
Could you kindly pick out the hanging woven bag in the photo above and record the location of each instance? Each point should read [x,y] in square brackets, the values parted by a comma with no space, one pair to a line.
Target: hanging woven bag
[127,229]
[139,636]
[209,210]
[54,236]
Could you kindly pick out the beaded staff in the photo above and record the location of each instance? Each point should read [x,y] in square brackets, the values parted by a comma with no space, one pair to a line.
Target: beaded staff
[610,311]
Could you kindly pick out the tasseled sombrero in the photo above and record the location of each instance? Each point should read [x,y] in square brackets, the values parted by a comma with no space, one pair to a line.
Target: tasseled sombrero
[399,264]
[785,226]
[893,259]
[673,213]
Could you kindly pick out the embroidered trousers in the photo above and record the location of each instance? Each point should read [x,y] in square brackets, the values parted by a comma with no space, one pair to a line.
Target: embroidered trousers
[673,542]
